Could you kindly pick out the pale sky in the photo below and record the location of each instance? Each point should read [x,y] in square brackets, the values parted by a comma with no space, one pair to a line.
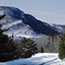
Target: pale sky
[51,11]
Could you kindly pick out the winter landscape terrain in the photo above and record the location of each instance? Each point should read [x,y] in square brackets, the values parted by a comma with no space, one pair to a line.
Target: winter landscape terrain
[38,59]
[23,25]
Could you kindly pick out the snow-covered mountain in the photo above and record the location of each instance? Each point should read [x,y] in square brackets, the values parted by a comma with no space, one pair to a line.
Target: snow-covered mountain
[25,25]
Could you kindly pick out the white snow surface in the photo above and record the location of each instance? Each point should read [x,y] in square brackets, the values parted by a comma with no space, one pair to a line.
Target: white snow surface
[38,59]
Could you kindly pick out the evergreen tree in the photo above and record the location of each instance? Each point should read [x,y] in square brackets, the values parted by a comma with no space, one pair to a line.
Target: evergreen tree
[26,48]
[62,47]
[52,37]
[42,49]
[7,47]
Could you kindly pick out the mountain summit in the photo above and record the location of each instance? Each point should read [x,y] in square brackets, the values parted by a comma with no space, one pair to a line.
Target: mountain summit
[25,25]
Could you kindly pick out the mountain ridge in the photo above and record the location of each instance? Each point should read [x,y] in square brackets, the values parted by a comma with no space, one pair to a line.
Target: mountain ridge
[26,24]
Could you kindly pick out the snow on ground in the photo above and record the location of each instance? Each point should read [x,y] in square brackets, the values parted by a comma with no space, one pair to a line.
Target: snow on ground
[38,59]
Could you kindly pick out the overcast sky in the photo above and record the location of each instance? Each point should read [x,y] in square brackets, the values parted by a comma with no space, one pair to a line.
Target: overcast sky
[51,11]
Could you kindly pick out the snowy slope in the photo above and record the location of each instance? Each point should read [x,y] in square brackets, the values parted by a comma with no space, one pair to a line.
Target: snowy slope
[25,25]
[38,59]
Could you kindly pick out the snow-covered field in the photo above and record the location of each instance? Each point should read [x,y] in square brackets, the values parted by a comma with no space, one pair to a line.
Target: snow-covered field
[38,59]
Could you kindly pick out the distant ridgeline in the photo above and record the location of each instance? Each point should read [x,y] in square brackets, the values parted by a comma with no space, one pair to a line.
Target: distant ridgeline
[26,25]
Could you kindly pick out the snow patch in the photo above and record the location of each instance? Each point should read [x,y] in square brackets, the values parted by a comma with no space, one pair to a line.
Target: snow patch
[38,59]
